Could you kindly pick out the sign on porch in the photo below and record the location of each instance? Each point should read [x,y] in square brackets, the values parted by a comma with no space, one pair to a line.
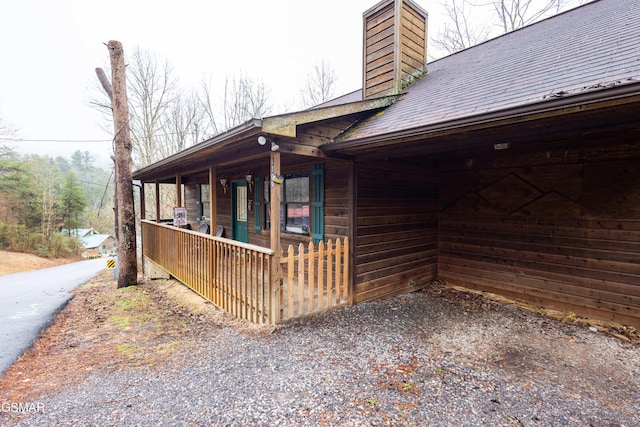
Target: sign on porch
[179,216]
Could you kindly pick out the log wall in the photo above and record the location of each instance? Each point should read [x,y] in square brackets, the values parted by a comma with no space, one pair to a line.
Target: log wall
[397,223]
[336,200]
[563,236]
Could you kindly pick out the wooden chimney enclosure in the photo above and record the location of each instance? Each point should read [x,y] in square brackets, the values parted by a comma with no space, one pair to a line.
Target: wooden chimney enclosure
[387,25]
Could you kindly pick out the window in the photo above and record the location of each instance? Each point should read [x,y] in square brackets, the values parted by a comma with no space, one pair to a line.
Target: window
[294,204]
[203,202]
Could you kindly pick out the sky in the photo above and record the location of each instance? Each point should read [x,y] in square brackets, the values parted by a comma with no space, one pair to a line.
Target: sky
[50,50]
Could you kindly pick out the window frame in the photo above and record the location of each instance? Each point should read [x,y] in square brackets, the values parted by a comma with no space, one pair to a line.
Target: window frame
[285,206]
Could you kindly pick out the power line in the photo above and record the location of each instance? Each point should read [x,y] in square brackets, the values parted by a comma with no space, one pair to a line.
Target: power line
[54,140]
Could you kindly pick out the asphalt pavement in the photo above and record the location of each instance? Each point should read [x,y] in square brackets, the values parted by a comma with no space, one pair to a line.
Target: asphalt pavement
[29,300]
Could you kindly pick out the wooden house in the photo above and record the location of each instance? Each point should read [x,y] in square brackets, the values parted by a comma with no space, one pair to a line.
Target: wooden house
[512,166]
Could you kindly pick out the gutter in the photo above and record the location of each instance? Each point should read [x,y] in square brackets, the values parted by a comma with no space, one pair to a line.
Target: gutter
[560,104]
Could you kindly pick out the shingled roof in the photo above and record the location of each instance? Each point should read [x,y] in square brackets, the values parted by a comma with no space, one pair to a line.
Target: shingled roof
[590,48]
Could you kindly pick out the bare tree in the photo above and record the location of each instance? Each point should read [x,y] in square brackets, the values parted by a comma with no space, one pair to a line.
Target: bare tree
[6,130]
[514,14]
[178,127]
[506,15]
[460,32]
[319,86]
[210,124]
[153,90]
[243,98]
[162,117]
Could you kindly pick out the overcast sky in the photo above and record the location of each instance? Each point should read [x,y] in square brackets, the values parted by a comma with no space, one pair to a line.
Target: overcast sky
[51,48]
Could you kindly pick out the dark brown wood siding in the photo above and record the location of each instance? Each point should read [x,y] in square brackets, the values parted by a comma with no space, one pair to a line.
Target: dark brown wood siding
[336,177]
[564,236]
[397,222]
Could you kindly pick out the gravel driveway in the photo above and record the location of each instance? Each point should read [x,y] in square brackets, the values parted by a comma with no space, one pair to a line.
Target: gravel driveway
[417,360]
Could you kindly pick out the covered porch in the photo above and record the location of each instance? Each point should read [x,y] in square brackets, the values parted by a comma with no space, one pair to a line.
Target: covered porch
[244,218]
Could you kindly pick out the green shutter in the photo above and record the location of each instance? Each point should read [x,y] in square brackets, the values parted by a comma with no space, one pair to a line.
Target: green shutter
[257,204]
[198,203]
[317,204]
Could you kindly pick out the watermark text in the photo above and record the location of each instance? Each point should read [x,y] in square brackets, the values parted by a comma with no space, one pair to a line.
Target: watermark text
[22,407]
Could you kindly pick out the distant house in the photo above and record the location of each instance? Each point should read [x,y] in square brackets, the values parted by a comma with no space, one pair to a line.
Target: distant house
[99,244]
[94,243]
[512,167]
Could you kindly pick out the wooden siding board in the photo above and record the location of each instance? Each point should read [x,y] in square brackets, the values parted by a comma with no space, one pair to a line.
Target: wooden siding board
[550,289]
[609,281]
[566,235]
[618,313]
[386,33]
[396,247]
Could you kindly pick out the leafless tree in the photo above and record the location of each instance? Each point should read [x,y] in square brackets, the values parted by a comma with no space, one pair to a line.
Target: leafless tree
[514,14]
[162,116]
[319,86]
[207,103]
[460,32]
[180,124]
[243,98]
[152,91]
[6,130]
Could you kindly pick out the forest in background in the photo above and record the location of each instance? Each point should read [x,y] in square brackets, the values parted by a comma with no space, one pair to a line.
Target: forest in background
[41,198]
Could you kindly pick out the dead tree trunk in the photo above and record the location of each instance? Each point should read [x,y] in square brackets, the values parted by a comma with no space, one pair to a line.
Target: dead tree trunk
[127,255]
[106,85]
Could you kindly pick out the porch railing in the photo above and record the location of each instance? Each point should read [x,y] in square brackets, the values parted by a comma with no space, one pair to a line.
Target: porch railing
[237,277]
[234,276]
[315,278]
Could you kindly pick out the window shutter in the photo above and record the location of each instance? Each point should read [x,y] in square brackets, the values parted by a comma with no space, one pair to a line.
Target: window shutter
[257,204]
[317,203]
[198,203]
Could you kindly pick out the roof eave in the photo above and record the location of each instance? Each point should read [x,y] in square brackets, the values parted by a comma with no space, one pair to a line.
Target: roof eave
[222,139]
[286,124]
[616,95]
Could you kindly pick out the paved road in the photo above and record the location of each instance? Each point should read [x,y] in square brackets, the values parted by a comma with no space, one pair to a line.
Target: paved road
[29,300]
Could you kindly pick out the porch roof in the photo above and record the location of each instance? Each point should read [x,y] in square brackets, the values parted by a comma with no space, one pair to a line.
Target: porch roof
[283,127]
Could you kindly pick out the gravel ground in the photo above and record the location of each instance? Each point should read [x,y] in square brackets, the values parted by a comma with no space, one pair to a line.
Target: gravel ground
[416,360]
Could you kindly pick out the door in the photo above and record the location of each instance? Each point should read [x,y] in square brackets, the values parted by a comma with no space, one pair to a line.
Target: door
[239,211]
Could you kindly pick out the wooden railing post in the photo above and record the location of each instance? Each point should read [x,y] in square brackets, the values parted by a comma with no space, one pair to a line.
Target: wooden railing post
[274,281]
[157,201]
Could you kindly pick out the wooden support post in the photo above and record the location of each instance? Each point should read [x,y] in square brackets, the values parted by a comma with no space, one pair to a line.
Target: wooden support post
[275,188]
[178,190]
[352,206]
[213,202]
[143,206]
[157,201]
[143,215]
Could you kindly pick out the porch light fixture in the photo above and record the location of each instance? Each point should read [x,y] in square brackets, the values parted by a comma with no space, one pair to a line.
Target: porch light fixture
[249,179]
[262,140]
[501,146]
[274,146]
[223,182]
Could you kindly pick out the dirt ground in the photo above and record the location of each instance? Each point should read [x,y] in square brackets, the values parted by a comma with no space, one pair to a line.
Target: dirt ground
[15,262]
[108,330]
